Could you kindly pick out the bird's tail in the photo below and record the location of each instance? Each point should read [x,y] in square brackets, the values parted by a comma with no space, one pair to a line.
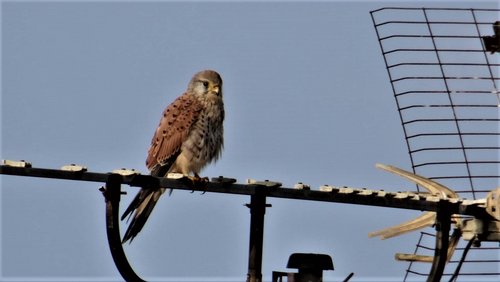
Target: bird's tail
[141,207]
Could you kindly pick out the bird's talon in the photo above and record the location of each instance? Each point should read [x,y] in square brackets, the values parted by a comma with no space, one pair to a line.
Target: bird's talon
[197,182]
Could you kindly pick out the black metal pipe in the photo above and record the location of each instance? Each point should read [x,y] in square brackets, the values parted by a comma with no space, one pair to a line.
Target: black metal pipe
[257,211]
[443,225]
[112,195]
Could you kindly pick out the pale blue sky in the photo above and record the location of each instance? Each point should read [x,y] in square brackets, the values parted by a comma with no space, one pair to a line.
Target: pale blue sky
[307,99]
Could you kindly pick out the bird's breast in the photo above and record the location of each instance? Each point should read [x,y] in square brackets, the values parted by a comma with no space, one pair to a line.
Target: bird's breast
[205,140]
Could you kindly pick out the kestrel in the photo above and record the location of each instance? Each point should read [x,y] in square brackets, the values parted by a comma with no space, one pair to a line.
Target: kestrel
[189,136]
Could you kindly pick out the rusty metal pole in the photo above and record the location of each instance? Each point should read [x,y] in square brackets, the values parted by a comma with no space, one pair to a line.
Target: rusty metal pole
[443,226]
[257,211]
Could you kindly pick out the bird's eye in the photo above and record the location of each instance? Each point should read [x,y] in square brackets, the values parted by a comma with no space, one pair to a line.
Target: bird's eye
[205,83]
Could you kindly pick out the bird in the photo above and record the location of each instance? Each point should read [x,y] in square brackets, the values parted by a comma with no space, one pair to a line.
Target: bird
[188,137]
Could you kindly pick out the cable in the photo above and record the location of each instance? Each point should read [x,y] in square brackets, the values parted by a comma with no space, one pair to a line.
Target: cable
[462,259]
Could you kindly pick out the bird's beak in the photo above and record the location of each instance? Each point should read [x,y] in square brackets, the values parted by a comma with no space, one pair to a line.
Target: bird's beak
[216,90]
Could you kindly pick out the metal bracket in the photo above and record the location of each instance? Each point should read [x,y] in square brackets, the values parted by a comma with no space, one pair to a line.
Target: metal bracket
[112,192]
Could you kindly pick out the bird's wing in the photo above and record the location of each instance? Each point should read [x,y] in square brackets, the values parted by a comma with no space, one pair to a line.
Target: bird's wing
[172,131]
[167,141]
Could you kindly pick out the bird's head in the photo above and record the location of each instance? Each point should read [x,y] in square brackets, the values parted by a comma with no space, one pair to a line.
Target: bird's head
[206,83]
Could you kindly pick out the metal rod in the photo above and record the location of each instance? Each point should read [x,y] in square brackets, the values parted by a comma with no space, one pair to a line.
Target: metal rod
[443,225]
[432,9]
[112,195]
[257,211]
[349,277]
[348,195]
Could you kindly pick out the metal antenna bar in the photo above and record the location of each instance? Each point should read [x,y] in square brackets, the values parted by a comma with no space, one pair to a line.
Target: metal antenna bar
[381,198]
[441,63]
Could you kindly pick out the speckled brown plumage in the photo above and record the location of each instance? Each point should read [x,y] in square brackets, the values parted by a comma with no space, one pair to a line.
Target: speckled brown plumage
[189,136]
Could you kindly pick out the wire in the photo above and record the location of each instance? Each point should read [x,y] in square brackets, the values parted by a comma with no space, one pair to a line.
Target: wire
[462,259]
